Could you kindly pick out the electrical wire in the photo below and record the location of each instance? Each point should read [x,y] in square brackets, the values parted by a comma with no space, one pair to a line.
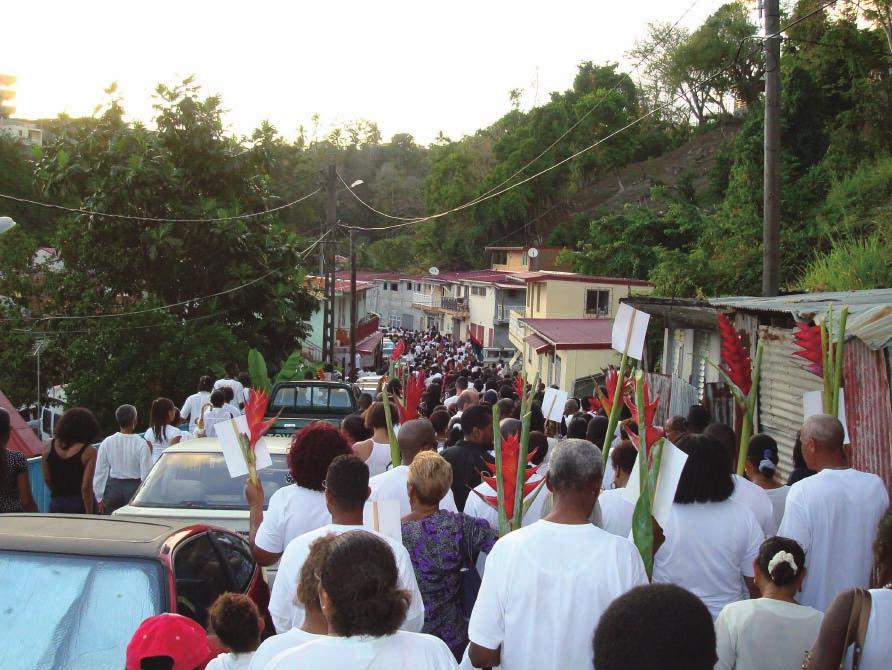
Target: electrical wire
[48,333]
[407,222]
[161,308]
[155,219]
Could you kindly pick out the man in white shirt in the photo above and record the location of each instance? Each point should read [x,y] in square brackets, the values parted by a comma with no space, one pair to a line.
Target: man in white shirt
[833,515]
[461,384]
[414,437]
[346,490]
[546,585]
[231,380]
[123,461]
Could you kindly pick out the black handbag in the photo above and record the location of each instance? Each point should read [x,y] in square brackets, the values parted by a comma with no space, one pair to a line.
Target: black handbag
[470,578]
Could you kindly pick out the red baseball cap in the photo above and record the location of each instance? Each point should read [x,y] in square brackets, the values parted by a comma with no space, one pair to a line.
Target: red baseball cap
[170,635]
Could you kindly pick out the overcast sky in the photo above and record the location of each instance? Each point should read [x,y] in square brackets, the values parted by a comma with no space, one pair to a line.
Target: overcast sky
[418,67]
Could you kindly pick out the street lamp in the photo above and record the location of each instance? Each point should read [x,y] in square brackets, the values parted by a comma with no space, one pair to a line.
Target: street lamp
[5,224]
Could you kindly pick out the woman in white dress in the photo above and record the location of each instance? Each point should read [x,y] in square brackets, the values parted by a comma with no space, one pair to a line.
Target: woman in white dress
[877,649]
[375,451]
[161,434]
[761,466]
[773,631]
[364,608]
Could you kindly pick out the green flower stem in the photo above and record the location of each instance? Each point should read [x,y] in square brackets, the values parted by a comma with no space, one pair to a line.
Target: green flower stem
[395,457]
[613,418]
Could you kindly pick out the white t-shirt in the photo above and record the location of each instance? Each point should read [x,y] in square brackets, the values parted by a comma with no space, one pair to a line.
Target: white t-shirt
[293,510]
[450,401]
[191,408]
[379,459]
[400,651]
[778,498]
[708,548]
[230,662]
[763,634]
[544,590]
[391,485]
[616,512]
[275,645]
[159,445]
[216,415]
[833,515]
[238,391]
[478,508]
[754,497]
[287,614]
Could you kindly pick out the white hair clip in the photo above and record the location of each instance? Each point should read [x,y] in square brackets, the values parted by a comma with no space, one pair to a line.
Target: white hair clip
[782,557]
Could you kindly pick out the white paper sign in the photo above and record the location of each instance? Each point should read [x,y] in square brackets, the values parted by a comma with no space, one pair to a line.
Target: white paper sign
[813,403]
[671,466]
[553,404]
[232,452]
[630,318]
[383,516]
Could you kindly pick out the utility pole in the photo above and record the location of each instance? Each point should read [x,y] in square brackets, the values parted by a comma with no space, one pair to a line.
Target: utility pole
[353,319]
[771,187]
[328,268]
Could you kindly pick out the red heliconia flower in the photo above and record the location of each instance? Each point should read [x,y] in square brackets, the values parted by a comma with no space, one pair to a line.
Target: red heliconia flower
[611,381]
[808,338]
[653,433]
[735,358]
[398,350]
[255,408]
[510,457]
[413,391]
[519,386]
[594,404]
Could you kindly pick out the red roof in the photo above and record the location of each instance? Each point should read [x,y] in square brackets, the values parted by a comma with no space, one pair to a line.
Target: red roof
[21,438]
[369,344]
[574,333]
[539,345]
[572,276]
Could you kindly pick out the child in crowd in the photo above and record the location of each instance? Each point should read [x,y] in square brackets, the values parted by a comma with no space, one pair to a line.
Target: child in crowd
[237,623]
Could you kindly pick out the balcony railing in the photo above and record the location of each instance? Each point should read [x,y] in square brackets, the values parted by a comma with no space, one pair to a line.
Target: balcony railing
[425,299]
[459,305]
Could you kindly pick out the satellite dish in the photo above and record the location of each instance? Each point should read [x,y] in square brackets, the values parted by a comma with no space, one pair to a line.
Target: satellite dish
[6,223]
[532,252]
[434,271]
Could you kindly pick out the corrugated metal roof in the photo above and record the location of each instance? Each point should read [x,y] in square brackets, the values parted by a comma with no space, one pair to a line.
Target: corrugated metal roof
[870,312]
[574,333]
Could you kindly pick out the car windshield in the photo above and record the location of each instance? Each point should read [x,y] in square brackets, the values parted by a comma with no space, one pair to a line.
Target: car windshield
[73,612]
[311,399]
[200,480]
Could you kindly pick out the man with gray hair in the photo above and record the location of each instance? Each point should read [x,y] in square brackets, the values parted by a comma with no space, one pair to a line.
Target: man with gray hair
[546,585]
[833,515]
[123,461]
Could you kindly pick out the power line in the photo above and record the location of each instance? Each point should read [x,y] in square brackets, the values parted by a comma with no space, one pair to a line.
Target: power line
[51,333]
[155,219]
[407,222]
[161,308]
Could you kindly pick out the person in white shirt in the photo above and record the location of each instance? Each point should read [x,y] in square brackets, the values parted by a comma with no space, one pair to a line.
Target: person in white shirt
[217,413]
[123,461]
[461,385]
[365,609]
[231,380]
[546,585]
[375,451]
[832,514]
[616,509]
[415,436]
[228,400]
[299,507]
[346,491]
[773,631]
[745,492]
[711,540]
[314,625]
[161,434]
[235,620]
[197,402]
[835,642]
[761,467]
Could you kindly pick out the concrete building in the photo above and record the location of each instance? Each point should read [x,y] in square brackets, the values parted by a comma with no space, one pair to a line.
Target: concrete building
[25,132]
[518,259]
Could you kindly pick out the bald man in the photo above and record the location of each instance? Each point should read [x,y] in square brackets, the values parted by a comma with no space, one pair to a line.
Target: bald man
[414,437]
[833,515]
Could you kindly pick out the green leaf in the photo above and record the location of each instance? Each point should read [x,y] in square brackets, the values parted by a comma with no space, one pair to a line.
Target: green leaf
[291,367]
[257,371]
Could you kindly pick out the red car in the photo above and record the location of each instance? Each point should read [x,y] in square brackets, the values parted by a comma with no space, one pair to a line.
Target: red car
[73,588]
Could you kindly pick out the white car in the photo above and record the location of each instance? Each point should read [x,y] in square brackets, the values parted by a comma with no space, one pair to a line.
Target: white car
[190,484]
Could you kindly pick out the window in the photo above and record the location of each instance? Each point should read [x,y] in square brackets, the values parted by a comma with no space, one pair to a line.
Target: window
[525,259]
[237,555]
[597,302]
[200,578]
[478,290]
[538,297]
[394,287]
[396,321]
[408,286]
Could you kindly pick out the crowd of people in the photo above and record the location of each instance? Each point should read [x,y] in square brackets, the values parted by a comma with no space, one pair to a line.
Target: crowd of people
[749,572]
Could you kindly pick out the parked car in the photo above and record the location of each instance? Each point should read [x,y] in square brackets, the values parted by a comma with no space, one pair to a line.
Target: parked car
[496,354]
[76,587]
[387,347]
[300,403]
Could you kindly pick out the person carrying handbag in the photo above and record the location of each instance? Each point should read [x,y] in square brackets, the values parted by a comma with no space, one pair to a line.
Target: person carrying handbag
[855,634]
